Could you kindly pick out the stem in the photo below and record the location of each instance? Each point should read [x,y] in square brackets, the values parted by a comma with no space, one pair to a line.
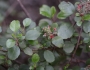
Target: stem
[77,43]
[76,46]
[70,19]
[26,12]
[3,50]
[17,42]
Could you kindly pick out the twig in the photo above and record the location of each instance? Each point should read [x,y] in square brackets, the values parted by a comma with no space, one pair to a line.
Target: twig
[17,62]
[26,12]
[78,42]
[17,43]
[79,61]
[76,46]
[73,23]
[4,66]
[3,50]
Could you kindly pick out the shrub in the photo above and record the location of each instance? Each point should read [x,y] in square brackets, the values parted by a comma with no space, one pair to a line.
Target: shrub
[51,45]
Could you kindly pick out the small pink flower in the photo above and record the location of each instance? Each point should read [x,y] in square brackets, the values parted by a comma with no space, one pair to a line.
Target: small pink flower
[55,29]
[51,36]
[44,35]
[79,7]
[81,14]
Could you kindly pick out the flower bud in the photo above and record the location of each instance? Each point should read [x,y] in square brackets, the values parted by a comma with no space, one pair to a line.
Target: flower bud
[51,36]
[55,29]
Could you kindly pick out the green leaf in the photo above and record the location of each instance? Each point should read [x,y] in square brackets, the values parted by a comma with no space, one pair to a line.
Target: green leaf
[67,7]
[22,45]
[32,26]
[44,22]
[86,40]
[53,11]
[86,17]
[13,53]
[86,26]
[2,57]
[33,42]
[28,51]
[15,25]
[49,68]
[66,66]
[32,35]
[54,25]
[78,21]
[37,46]
[49,56]
[65,31]
[61,15]
[26,22]
[10,43]
[68,47]
[57,41]
[40,68]
[45,11]
[9,62]
[35,58]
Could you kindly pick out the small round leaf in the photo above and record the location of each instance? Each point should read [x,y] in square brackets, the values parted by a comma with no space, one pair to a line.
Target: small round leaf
[26,22]
[35,58]
[49,56]
[53,11]
[2,57]
[61,15]
[57,41]
[67,7]
[10,43]
[44,22]
[86,26]
[15,25]
[49,68]
[86,17]
[40,68]
[22,45]
[28,51]
[13,53]
[68,47]
[45,11]
[32,35]
[65,31]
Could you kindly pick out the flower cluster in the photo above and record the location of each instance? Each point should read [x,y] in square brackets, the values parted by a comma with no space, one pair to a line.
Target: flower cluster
[48,32]
[83,7]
